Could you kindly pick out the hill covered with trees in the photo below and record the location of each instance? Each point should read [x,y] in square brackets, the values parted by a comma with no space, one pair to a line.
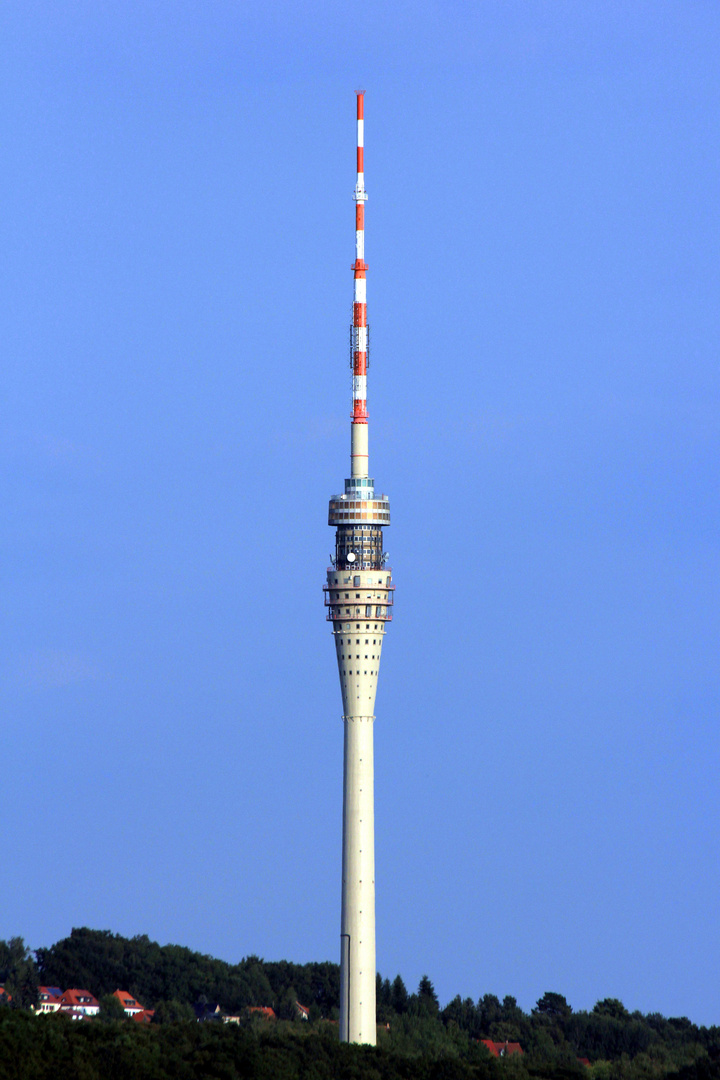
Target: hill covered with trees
[417,1038]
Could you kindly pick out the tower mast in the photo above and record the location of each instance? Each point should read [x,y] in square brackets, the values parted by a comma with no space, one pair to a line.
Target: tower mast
[359,598]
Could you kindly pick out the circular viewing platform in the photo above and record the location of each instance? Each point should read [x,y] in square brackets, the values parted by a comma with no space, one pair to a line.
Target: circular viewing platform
[343,511]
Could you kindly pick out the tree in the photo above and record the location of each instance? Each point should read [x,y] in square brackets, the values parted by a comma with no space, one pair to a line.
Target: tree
[554,1006]
[287,1006]
[18,973]
[611,1007]
[383,999]
[489,1012]
[464,1014]
[111,1009]
[428,1004]
[173,1012]
[510,1011]
[399,996]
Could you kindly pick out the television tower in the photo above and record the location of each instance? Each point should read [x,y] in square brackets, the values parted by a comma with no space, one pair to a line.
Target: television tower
[359,597]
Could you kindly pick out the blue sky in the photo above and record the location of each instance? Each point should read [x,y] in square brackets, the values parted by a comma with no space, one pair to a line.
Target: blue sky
[542,236]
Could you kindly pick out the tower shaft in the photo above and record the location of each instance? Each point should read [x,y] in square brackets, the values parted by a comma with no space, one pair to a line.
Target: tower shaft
[359,597]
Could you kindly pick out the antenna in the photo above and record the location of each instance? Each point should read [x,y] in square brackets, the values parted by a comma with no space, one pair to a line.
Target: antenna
[359,330]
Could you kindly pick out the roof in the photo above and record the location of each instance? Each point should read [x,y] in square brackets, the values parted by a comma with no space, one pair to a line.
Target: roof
[51,991]
[144,1016]
[50,999]
[79,998]
[127,1000]
[502,1049]
[264,1009]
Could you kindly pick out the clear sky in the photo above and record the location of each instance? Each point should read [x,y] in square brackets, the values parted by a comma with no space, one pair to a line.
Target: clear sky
[543,236]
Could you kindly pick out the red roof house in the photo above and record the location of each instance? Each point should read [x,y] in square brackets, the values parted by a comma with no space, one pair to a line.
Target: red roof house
[128,1002]
[49,1000]
[502,1049]
[79,1004]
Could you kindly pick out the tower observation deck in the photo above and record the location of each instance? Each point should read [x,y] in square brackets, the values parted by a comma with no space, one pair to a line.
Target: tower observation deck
[359,599]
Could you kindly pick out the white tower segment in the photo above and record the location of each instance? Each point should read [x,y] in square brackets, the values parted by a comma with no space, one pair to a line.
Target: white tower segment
[359,597]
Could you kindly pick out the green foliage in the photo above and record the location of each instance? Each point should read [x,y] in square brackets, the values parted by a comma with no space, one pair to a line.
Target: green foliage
[416,1040]
[173,1012]
[553,1006]
[611,1007]
[18,973]
[399,996]
[287,1005]
[428,1004]
[111,1009]
[104,962]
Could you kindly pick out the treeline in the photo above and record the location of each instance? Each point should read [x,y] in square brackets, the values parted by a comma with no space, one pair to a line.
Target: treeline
[56,1047]
[416,1037]
[102,962]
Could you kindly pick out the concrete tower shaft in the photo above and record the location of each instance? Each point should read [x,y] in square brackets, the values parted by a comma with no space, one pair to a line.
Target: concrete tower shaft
[359,598]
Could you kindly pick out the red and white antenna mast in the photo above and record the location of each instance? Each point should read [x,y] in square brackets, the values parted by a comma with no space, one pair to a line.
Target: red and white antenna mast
[359,438]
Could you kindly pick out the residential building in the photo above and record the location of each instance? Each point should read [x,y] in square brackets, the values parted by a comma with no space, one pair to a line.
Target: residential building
[79,1004]
[502,1049]
[129,1004]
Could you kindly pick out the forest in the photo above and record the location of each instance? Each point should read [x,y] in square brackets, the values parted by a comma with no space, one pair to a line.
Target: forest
[418,1039]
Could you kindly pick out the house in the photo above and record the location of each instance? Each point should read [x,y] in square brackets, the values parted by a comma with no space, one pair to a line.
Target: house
[48,1000]
[129,1004]
[79,1004]
[263,1010]
[502,1049]
[4,996]
[302,1011]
